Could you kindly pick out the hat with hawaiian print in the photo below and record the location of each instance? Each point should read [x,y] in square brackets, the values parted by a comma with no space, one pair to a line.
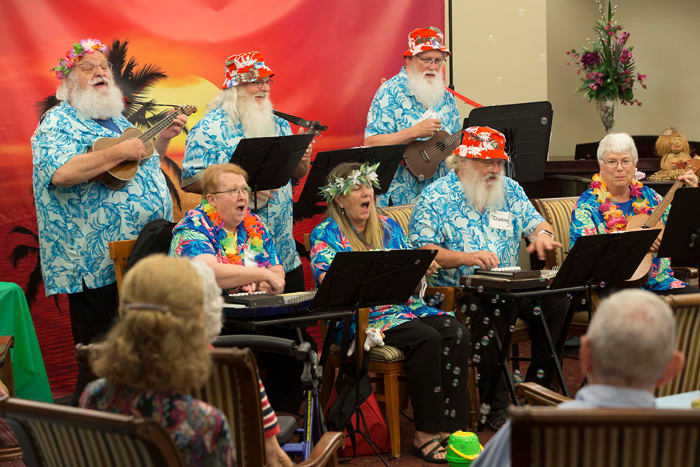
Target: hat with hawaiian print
[482,142]
[68,61]
[246,67]
[425,40]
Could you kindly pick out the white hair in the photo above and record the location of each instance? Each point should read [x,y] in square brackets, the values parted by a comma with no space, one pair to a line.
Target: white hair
[477,190]
[617,143]
[226,99]
[452,162]
[212,301]
[90,102]
[257,119]
[632,339]
[428,92]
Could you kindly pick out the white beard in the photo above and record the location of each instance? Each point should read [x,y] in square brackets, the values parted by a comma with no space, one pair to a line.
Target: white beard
[479,193]
[257,119]
[427,91]
[94,103]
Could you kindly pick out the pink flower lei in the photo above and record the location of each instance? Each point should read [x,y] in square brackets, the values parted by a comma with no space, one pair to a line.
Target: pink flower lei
[615,219]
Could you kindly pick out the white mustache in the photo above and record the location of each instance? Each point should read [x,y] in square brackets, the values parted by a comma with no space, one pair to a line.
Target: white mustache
[94,81]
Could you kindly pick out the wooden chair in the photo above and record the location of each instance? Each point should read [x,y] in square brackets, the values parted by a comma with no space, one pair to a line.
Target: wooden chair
[534,394]
[55,435]
[120,251]
[6,376]
[549,437]
[686,310]
[9,449]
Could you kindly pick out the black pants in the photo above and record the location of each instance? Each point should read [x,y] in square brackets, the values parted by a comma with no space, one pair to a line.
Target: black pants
[294,280]
[436,350]
[485,353]
[92,314]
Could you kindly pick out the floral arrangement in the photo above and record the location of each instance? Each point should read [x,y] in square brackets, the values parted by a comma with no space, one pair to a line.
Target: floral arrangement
[614,218]
[366,174]
[85,46]
[606,64]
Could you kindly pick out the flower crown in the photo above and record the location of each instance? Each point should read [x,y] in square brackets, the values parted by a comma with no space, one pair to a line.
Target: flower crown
[366,174]
[85,46]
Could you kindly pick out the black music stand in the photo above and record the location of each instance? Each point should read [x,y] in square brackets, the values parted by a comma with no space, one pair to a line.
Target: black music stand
[682,233]
[527,128]
[368,278]
[388,157]
[270,162]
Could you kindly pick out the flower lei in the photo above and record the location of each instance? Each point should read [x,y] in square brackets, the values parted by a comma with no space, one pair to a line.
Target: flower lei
[85,46]
[366,174]
[254,230]
[615,220]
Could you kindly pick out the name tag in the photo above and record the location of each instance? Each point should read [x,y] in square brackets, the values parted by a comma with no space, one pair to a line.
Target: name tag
[500,220]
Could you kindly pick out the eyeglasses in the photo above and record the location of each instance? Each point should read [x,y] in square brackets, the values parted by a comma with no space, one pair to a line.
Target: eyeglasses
[432,61]
[612,163]
[261,84]
[235,191]
[90,67]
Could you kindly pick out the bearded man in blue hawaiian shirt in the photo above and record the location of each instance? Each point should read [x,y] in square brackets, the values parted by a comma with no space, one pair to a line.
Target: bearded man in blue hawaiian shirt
[475,218]
[77,216]
[413,105]
[243,110]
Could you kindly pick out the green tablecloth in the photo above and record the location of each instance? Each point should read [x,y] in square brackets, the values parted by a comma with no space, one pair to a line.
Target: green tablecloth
[31,381]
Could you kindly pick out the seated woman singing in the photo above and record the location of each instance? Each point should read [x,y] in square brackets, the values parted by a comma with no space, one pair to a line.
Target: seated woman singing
[224,234]
[615,196]
[424,334]
[157,351]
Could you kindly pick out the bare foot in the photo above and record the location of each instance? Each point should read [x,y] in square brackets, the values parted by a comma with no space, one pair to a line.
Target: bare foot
[423,437]
[276,457]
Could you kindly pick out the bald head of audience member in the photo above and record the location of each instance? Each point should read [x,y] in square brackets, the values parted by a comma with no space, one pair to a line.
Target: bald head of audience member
[631,342]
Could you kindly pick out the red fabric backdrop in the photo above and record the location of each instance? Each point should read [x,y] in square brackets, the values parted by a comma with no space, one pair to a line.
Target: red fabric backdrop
[328,56]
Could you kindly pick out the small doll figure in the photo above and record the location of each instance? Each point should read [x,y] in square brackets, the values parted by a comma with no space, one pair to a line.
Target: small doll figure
[674,150]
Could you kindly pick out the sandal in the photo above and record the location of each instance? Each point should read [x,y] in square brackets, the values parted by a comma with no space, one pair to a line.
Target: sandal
[430,456]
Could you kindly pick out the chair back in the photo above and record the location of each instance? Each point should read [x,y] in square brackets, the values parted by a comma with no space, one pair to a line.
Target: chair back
[55,435]
[557,211]
[120,251]
[686,310]
[548,437]
[401,213]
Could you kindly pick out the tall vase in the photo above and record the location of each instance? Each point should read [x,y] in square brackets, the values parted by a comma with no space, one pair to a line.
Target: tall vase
[606,111]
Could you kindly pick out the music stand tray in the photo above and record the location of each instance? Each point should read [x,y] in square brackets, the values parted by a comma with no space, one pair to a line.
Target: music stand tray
[527,127]
[388,158]
[682,233]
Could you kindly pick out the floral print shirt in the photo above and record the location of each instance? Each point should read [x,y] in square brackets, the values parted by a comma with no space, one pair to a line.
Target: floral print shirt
[327,240]
[443,217]
[587,219]
[394,108]
[196,234]
[200,430]
[213,140]
[76,224]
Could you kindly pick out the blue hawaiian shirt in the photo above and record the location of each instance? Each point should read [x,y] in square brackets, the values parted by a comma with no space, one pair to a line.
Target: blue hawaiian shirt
[327,239]
[213,140]
[76,224]
[587,219]
[443,217]
[394,108]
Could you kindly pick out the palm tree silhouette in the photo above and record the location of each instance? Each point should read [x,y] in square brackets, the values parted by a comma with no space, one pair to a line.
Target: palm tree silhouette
[140,111]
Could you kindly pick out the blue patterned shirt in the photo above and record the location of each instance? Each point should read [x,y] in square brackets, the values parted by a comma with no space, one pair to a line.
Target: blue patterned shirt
[213,140]
[443,217]
[76,224]
[394,108]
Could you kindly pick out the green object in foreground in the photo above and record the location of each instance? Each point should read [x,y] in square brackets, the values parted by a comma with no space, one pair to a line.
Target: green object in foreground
[463,448]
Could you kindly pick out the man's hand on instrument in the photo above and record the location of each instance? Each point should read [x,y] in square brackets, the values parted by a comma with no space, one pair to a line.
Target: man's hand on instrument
[432,269]
[275,282]
[131,149]
[689,178]
[175,128]
[483,259]
[542,242]
[426,128]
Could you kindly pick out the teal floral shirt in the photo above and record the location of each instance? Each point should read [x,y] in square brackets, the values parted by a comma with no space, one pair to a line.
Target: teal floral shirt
[587,219]
[394,108]
[327,240]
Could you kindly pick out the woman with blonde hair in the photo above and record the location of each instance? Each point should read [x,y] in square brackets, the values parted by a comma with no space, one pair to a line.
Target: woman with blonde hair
[158,350]
[434,342]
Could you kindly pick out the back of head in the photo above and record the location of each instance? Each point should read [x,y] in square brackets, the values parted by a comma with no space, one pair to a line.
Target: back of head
[631,337]
[159,342]
[617,143]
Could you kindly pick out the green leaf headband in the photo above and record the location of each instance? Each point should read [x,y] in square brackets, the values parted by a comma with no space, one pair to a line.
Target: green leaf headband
[366,174]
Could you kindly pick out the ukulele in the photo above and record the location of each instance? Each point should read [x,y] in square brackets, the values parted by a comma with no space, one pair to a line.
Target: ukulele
[653,221]
[118,176]
[423,157]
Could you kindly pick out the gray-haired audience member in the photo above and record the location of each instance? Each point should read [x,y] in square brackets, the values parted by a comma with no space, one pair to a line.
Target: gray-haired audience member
[627,351]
